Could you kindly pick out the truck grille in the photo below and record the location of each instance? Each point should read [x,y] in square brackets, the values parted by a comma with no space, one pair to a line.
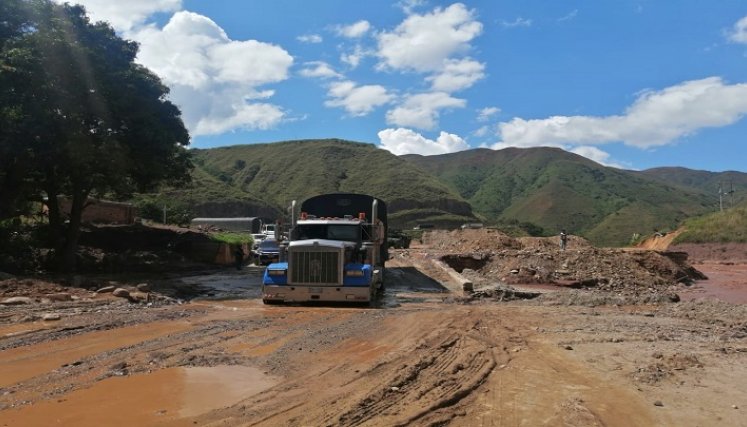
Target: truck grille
[314,267]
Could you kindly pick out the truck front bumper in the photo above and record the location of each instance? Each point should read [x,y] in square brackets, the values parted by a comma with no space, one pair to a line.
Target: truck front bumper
[291,293]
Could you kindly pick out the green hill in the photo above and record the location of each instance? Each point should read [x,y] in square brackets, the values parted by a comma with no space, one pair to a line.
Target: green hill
[279,172]
[704,182]
[722,227]
[556,189]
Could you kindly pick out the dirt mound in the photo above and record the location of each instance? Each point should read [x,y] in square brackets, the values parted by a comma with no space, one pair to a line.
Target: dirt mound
[486,239]
[659,242]
[487,257]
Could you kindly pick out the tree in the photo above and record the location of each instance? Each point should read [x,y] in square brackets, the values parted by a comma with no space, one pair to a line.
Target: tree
[83,117]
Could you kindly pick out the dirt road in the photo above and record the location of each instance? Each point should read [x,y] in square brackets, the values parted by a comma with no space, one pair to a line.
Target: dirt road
[423,357]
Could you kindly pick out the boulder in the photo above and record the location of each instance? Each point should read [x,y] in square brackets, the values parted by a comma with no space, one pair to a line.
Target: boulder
[122,293]
[106,289]
[51,317]
[139,296]
[17,301]
[143,287]
[60,296]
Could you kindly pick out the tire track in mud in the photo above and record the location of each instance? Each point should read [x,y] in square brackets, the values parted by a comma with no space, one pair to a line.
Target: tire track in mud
[427,384]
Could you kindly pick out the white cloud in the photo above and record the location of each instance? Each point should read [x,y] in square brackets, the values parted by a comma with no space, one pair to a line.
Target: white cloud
[457,74]
[354,58]
[518,22]
[319,69]
[213,78]
[405,141]
[310,38]
[125,15]
[569,16]
[423,42]
[486,113]
[656,118]
[482,131]
[595,154]
[355,30]
[739,31]
[357,100]
[408,6]
[422,110]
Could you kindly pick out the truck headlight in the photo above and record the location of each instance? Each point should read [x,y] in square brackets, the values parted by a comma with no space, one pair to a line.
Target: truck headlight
[354,273]
[276,272]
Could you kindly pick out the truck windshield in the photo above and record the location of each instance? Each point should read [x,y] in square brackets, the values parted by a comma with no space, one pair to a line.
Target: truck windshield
[349,233]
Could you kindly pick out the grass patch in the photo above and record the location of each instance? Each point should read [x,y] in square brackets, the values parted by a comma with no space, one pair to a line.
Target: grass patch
[718,227]
[233,238]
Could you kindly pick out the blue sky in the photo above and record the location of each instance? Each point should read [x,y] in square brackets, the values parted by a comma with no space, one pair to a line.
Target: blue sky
[628,83]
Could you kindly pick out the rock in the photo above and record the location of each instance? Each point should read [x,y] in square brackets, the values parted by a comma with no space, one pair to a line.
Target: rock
[143,287]
[106,289]
[17,301]
[51,317]
[394,388]
[658,403]
[138,296]
[60,296]
[122,293]
[568,347]
[468,287]
[515,271]
[734,407]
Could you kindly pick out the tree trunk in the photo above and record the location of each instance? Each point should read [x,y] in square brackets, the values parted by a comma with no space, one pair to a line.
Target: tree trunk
[72,234]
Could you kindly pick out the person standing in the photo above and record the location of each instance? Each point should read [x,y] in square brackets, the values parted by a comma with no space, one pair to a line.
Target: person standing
[563,239]
[238,256]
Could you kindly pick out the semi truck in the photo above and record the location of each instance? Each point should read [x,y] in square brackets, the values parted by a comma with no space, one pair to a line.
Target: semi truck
[335,252]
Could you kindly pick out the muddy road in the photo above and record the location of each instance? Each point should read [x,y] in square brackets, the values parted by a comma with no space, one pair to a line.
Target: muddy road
[423,356]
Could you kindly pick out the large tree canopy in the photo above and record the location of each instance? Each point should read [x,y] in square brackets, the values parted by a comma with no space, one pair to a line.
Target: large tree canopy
[78,116]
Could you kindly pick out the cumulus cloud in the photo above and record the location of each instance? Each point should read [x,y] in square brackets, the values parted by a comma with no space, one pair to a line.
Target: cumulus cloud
[422,110]
[213,79]
[319,69]
[355,30]
[457,74]
[310,38]
[656,118]
[482,131]
[738,33]
[423,42]
[486,113]
[406,141]
[125,15]
[357,100]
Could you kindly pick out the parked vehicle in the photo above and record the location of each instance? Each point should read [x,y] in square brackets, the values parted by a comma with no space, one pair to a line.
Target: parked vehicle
[336,252]
[267,252]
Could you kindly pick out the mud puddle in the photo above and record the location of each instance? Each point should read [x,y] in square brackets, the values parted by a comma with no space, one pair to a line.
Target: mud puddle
[157,398]
[243,284]
[725,282]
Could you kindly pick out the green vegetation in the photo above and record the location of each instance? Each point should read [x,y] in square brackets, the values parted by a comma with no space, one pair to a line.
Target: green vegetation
[78,117]
[553,189]
[722,227]
[280,172]
[232,238]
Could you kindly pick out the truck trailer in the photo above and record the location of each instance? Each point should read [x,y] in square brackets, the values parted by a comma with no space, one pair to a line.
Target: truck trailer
[336,251]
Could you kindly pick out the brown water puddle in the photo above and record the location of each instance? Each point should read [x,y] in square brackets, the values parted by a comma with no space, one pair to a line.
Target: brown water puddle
[26,362]
[162,397]
[725,282]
